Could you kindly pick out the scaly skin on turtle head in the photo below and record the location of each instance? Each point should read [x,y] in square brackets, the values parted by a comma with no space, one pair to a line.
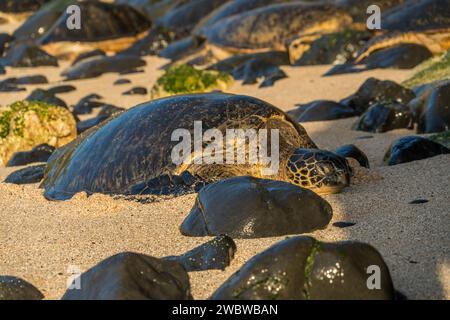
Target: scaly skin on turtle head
[321,171]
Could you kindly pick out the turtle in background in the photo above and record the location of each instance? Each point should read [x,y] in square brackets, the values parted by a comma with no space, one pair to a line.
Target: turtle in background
[195,41]
[262,29]
[132,153]
[270,28]
[420,22]
[105,26]
[229,9]
[341,45]
[19,10]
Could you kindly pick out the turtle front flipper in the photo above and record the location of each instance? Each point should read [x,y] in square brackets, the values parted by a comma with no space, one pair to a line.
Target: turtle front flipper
[169,185]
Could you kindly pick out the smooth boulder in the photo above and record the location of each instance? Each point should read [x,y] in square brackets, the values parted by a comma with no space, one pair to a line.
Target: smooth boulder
[13,288]
[132,276]
[248,207]
[412,148]
[303,268]
[382,117]
[374,90]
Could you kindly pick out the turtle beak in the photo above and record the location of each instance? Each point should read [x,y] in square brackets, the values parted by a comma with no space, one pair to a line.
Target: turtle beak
[334,182]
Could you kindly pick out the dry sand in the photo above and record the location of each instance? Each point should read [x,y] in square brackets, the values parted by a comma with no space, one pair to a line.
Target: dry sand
[40,240]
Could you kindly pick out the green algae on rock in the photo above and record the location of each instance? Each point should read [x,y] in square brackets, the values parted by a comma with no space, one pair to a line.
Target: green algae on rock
[303,268]
[442,138]
[432,70]
[26,124]
[184,79]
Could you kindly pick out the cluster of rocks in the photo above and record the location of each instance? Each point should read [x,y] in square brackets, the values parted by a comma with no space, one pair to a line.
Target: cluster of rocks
[385,105]
[300,268]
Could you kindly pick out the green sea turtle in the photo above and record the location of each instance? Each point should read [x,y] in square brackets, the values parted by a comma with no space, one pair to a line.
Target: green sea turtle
[136,152]
[422,22]
[269,28]
[229,9]
[182,19]
[105,26]
[18,10]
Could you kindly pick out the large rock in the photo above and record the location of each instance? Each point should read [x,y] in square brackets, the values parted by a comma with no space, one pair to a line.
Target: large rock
[374,90]
[247,207]
[132,276]
[382,117]
[12,288]
[432,107]
[412,148]
[302,268]
[25,125]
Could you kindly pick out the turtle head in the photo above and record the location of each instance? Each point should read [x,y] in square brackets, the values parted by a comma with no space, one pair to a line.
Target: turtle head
[321,171]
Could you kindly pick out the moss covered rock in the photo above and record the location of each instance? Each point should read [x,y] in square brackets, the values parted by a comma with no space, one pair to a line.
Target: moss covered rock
[26,124]
[184,79]
[432,70]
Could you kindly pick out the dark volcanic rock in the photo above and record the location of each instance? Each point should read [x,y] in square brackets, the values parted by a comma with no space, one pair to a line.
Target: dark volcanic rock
[373,91]
[11,84]
[96,66]
[87,104]
[215,254]
[432,108]
[250,68]
[322,110]
[136,91]
[382,117]
[302,268]
[343,224]
[106,112]
[12,288]
[247,207]
[32,174]
[133,276]
[26,55]
[40,153]
[36,79]
[411,148]
[121,81]
[61,89]
[419,201]
[45,96]
[352,151]
[87,124]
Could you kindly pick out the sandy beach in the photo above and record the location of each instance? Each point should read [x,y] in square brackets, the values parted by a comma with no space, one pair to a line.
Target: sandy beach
[41,240]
